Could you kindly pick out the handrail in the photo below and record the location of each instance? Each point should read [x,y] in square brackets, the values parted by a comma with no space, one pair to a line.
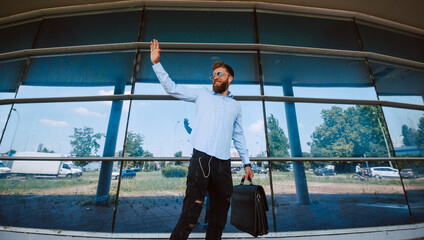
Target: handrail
[252,159]
[126,97]
[209,46]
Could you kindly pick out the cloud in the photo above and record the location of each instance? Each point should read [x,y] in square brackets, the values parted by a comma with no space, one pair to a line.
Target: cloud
[110,92]
[257,126]
[86,112]
[126,105]
[53,123]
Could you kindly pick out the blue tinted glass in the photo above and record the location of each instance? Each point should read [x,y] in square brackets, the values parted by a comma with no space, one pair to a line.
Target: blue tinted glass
[317,76]
[199,26]
[392,43]
[397,81]
[90,29]
[306,31]
[81,70]
[195,68]
[18,37]
[10,72]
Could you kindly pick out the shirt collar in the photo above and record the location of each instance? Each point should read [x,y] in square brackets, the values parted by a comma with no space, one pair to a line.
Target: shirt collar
[230,94]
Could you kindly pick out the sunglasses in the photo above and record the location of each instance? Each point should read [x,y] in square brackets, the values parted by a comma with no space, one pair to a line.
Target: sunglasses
[219,74]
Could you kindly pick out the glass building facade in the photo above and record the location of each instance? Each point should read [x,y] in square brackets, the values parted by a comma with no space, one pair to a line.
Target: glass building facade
[316,102]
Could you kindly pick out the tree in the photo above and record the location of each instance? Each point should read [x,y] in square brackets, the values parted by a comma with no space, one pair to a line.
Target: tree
[84,142]
[278,143]
[354,132]
[134,148]
[178,154]
[409,136]
[420,133]
[45,150]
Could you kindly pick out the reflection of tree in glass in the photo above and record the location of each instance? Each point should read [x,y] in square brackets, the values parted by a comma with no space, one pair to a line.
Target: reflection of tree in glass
[420,134]
[84,143]
[409,136]
[278,143]
[354,132]
[133,148]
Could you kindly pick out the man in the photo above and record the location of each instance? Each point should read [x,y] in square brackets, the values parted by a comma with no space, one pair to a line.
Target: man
[218,120]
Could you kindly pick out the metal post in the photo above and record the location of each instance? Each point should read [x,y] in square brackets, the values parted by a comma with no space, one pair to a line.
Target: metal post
[295,147]
[105,177]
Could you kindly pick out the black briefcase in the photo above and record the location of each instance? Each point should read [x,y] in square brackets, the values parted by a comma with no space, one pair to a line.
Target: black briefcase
[248,209]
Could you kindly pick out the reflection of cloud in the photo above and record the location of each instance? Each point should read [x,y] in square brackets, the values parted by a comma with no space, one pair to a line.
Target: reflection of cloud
[86,112]
[103,92]
[2,120]
[301,125]
[257,126]
[53,123]
[126,105]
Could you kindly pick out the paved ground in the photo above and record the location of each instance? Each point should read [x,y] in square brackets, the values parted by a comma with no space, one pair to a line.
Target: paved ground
[159,214]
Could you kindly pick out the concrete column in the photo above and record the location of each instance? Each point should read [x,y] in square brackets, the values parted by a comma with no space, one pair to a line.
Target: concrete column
[105,177]
[295,147]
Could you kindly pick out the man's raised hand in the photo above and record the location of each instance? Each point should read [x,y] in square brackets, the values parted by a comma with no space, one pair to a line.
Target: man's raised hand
[154,51]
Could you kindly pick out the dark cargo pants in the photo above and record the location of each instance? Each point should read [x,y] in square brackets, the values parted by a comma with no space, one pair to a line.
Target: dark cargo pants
[206,173]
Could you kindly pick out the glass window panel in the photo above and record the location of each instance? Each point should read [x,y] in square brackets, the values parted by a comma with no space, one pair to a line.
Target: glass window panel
[305,31]
[412,174]
[66,75]
[405,127]
[53,126]
[338,200]
[4,112]
[331,130]
[195,68]
[392,42]
[397,83]
[199,26]
[151,198]
[319,77]
[18,37]
[32,200]
[10,72]
[117,27]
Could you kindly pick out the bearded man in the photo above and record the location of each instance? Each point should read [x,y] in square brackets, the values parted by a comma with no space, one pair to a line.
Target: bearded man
[218,121]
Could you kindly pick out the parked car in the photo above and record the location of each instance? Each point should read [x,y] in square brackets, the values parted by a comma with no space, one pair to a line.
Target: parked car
[409,173]
[126,173]
[380,172]
[259,170]
[324,171]
[4,171]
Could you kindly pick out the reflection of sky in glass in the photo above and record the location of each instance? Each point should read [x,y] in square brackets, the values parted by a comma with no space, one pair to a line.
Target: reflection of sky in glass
[52,123]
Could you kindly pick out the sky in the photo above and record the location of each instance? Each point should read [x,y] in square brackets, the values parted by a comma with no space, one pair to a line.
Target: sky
[161,122]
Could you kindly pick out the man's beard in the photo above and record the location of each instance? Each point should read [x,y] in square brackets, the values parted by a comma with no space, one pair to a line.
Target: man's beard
[220,88]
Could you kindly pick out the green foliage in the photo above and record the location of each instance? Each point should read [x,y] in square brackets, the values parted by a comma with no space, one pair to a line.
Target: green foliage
[45,150]
[178,154]
[278,143]
[174,172]
[409,136]
[84,142]
[354,132]
[420,134]
[133,145]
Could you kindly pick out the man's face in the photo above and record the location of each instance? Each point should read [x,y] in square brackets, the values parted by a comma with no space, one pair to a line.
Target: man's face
[221,83]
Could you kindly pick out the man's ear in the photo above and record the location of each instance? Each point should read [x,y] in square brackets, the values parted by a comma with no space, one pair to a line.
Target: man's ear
[230,79]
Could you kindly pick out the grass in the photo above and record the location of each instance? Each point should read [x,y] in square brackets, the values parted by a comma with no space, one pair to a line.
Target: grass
[155,182]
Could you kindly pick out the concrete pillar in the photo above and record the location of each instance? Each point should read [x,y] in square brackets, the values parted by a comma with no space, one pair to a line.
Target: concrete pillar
[295,147]
[105,177]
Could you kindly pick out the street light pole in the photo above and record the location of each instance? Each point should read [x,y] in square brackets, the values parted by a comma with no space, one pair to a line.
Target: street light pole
[14,135]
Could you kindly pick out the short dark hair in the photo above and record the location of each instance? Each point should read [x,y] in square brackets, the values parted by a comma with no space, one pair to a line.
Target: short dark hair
[219,64]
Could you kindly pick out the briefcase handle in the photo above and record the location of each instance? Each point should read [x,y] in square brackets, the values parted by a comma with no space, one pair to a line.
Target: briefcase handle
[248,178]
